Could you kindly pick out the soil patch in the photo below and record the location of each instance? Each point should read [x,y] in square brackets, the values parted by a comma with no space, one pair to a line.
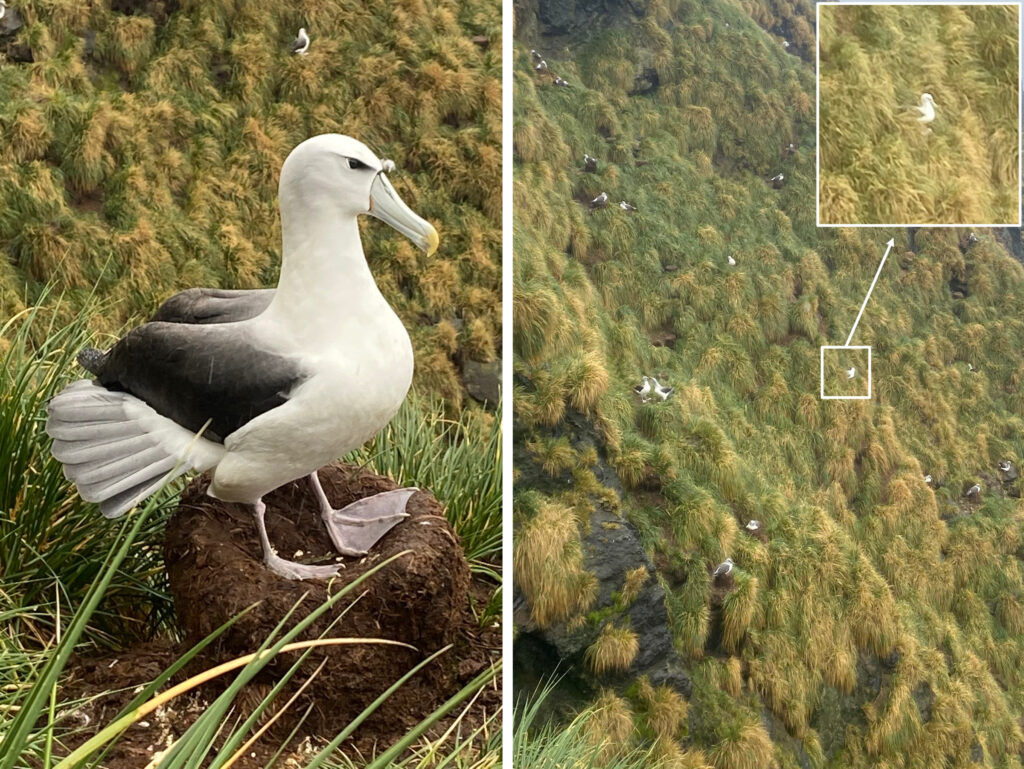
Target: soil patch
[214,562]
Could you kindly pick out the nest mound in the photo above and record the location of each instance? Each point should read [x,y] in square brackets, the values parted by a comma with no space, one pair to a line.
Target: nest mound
[214,563]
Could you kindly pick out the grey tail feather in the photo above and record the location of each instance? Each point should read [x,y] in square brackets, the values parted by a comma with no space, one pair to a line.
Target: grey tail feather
[109,457]
[92,360]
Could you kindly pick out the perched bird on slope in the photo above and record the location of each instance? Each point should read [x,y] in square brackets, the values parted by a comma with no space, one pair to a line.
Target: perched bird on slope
[724,569]
[3,8]
[259,387]
[542,66]
[644,390]
[777,181]
[753,525]
[589,164]
[851,372]
[626,206]
[972,238]
[732,262]
[600,201]
[536,56]
[970,367]
[928,479]
[1008,470]
[301,43]
[662,392]
[974,492]
[791,149]
[561,82]
[925,110]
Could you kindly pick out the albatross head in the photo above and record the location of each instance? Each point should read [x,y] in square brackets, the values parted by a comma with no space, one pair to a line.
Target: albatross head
[344,171]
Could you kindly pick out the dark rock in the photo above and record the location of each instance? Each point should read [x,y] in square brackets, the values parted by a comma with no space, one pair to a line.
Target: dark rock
[924,696]
[482,380]
[611,548]
[215,570]
[646,82]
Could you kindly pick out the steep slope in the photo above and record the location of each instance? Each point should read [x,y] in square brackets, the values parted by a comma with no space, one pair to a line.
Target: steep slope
[876,620]
[141,143]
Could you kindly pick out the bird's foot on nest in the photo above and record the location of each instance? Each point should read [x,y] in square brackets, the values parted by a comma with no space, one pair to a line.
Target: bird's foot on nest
[357,527]
[293,570]
[281,566]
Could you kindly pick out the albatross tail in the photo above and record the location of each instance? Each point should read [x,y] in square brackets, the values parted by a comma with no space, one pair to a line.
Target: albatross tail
[116,449]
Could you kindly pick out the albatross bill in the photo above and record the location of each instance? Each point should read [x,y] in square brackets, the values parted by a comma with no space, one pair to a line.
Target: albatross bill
[259,387]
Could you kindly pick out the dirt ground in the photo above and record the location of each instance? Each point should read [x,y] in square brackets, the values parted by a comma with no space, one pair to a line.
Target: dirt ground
[424,598]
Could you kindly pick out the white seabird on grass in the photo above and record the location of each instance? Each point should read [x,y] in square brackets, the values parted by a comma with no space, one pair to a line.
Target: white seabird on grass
[851,372]
[974,491]
[626,206]
[732,262]
[644,390]
[589,164]
[600,201]
[542,66]
[561,82]
[926,109]
[661,391]
[753,525]
[1005,465]
[259,387]
[777,181]
[928,478]
[724,568]
[3,8]
[301,43]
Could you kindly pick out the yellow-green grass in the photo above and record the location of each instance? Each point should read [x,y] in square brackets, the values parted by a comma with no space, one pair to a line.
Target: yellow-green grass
[150,164]
[878,164]
[614,649]
[861,559]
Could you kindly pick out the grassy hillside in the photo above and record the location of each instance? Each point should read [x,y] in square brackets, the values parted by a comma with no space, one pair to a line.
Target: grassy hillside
[878,164]
[141,148]
[864,567]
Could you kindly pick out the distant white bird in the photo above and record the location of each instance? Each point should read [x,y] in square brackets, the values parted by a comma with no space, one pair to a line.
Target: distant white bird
[851,372]
[387,165]
[928,478]
[785,44]
[791,149]
[970,367]
[563,83]
[1006,465]
[753,525]
[589,164]
[925,110]
[972,239]
[536,56]
[626,206]
[660,391]
[600,201]
[777,181]
[3,8]
[542,66]
[301,43]
[974,491]
[643,390]
[732,262]
[724,568]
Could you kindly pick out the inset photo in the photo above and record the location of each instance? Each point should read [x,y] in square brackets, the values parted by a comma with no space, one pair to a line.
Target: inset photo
[918,115]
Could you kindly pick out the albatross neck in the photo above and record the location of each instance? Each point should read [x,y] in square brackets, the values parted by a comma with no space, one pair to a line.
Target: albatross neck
[324,275]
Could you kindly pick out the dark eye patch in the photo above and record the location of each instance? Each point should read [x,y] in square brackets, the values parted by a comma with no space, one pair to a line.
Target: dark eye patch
[357,164]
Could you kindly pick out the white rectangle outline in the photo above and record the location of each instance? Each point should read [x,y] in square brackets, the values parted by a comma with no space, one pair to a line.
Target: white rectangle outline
[817,115]
[821,374]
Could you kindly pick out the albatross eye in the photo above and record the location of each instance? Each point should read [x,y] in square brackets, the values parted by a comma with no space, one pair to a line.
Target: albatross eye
[356,164]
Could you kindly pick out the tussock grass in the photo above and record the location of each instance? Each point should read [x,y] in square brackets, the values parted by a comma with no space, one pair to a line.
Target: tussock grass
[878,165]
[614,649]
[860,560]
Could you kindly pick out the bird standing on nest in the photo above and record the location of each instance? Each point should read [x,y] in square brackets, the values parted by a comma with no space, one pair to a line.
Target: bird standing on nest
[259,387]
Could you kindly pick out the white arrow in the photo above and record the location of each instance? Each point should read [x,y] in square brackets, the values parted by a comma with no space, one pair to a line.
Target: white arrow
[888,248]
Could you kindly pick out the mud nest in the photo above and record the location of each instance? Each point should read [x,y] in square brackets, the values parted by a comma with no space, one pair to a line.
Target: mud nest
[214,563]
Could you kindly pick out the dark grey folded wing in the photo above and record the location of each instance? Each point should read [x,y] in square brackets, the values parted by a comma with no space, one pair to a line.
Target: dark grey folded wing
[195,373]
[213,305]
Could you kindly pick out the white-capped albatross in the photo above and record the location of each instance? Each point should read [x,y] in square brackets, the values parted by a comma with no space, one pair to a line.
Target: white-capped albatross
[278,383]
[300,44]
